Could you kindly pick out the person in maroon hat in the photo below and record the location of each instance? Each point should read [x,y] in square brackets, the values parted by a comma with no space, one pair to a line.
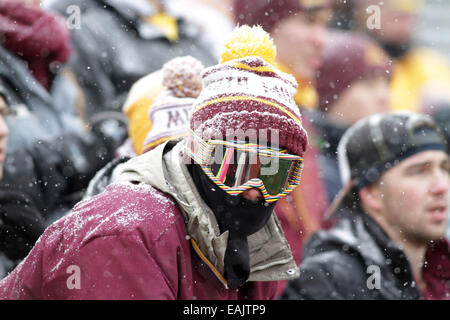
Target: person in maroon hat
[352,83]
[298,28]
[421,77]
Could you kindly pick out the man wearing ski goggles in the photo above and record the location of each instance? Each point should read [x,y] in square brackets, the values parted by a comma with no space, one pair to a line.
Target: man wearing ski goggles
[237,177]
[238,166]
[241,182]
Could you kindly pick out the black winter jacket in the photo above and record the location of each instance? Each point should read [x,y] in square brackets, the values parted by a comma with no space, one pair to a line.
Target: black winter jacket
[342,263]
[50,155]
[21,224]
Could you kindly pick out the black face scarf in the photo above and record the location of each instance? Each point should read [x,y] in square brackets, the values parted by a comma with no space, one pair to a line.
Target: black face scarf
[241,217]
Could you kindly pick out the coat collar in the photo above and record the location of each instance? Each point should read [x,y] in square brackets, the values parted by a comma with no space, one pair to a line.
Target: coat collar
[357,232]
[361,233]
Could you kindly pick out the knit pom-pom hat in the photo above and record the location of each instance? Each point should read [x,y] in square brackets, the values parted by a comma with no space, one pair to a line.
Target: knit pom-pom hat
[246,93]
[169,113]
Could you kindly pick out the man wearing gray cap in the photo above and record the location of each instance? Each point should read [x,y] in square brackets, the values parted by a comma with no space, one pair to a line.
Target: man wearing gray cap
[388,242]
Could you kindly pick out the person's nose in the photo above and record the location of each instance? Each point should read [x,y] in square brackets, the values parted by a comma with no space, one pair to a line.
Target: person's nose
[319,37]
[253,194]
[4,131]
[441,183]
[382,94]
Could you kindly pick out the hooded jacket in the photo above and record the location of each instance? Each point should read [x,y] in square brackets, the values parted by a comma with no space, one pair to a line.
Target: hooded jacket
[345,262]
[148,236]
[50,155]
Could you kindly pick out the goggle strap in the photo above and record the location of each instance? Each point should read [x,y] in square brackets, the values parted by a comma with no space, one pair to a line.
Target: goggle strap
[196,143]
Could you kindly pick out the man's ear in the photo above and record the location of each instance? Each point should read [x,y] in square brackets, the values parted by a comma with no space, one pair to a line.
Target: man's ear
[371,197]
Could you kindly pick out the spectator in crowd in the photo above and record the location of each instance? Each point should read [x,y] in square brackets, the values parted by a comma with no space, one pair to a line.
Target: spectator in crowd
[51,154]
[421,76]
[21,224]
[299,31]
[185,220]
[388,242]
[298,28]
[352,83]
[116,43]
[170,92]
[140,99]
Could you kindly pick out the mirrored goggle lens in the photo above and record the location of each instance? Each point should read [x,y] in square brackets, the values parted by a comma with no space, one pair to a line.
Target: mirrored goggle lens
[234,168]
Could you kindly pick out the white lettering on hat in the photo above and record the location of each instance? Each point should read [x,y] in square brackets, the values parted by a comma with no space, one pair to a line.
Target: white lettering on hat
[232,82]
[168,120]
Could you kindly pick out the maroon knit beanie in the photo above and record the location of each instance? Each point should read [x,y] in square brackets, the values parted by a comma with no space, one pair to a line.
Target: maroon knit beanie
[267,13]
[347,58]
[247,93]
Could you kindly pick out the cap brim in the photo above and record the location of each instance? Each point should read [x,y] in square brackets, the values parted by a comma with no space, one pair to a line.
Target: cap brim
[338,200]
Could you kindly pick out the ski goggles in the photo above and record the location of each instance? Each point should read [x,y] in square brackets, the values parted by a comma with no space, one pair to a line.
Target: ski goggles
[238,166]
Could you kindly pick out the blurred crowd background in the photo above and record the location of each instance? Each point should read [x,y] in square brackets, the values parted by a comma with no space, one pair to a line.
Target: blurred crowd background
[78,79]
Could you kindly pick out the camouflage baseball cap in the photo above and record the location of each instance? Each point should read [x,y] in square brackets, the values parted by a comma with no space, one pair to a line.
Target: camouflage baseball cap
[377,143]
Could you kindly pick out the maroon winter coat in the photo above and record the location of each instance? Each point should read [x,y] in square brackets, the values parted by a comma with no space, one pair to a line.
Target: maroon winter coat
[129,242]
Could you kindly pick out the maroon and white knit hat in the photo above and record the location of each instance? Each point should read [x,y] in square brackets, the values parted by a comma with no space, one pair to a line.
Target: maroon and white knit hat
[246,92]
[169,113]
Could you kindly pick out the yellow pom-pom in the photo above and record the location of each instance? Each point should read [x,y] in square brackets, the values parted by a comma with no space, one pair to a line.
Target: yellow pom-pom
[247,41]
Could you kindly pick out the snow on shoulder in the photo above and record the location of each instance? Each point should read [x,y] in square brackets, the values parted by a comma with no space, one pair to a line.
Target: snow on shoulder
[123,209]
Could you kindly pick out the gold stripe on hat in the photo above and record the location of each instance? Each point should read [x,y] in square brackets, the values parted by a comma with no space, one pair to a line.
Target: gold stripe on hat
[242,98]
[153,144]
[258,69]
[308,4]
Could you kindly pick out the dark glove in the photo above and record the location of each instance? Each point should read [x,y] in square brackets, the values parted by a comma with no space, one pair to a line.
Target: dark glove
[21,224]
[111,127]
